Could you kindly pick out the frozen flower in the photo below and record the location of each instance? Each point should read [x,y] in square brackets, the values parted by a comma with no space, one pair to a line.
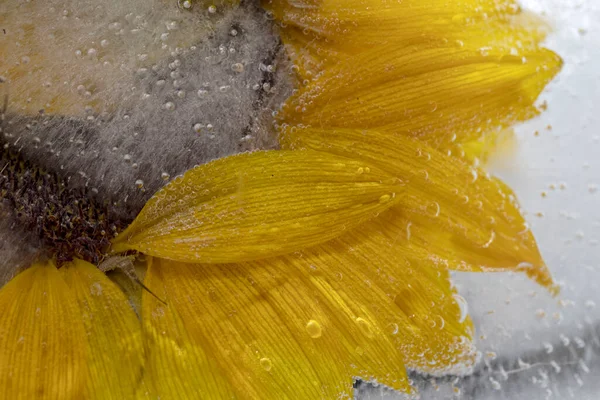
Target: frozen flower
[288,273]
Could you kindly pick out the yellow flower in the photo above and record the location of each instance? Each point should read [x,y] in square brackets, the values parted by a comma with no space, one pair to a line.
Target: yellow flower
[289,273]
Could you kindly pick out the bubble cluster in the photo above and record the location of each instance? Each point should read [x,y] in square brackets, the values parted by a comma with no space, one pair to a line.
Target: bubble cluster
[117,104]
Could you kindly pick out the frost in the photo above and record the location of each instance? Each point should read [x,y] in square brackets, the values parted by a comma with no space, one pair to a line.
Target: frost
[110,84]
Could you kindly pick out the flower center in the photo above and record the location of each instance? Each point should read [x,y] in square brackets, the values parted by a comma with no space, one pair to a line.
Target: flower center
[68,222]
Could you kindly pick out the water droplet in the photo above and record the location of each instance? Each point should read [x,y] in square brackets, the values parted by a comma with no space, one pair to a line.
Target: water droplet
[169,105]
[360,351]
[139,183]
[365,327]
[237,67]
[115,26]
[434,209]
[485,51]
[165,176]
[212,9]
[490,241]
[314,329]
[172,25]
[266,363]
[394,328]
[463,307]
[441,322]
[96,289]
[475,174]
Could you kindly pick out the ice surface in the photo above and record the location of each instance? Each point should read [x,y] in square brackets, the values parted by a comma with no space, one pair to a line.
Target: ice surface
[557,340]
[122,96]
[135,92]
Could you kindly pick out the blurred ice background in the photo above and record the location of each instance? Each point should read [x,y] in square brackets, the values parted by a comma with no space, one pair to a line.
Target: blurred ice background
[534,346]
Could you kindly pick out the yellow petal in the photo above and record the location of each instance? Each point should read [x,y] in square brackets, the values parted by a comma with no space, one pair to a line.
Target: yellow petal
[328,30]
[408,298]
[273,331]
[41,338]
[464,217]
[176,366]
[438,94]
[259,204]
[67,335]
[114,354]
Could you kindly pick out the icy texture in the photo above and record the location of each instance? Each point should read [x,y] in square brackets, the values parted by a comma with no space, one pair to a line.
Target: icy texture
[532,345]
[147,90]
[122,96]
[134,93]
